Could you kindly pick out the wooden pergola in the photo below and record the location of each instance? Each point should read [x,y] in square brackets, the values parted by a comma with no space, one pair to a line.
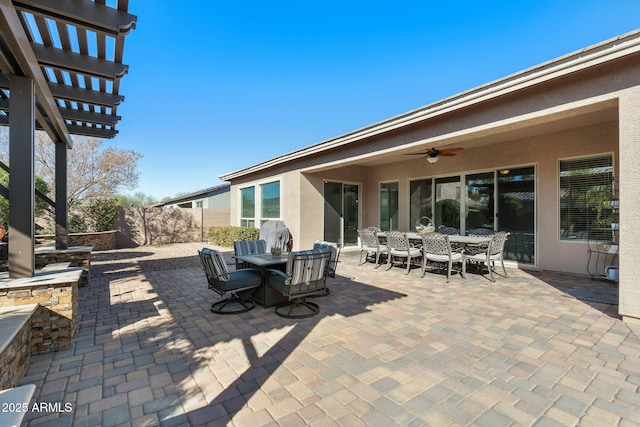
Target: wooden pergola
[60,71]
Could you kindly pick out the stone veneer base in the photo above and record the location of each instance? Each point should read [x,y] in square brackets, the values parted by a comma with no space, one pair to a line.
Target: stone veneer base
[15,346]
[55,290]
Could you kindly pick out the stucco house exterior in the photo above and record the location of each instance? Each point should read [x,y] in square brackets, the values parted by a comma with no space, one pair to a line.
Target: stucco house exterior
[550,154]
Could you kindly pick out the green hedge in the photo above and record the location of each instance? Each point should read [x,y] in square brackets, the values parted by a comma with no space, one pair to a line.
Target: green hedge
[225,236]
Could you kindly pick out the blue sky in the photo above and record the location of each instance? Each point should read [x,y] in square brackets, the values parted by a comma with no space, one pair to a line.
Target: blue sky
[214,86]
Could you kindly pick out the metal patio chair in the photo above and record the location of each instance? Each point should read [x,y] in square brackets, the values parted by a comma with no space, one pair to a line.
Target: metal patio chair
[370,244]
[437,248]
[400,247]
[305,276]
[494,252]
[236,286]
[248,247]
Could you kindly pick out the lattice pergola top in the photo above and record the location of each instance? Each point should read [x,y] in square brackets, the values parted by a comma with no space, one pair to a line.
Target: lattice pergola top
[73,50]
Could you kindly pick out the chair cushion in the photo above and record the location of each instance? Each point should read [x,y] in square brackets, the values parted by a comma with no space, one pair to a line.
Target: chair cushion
[483,257]
[285,286]
[411,252]
[220,266]
[241,279]
[327,246]
[250,247]
[455,257]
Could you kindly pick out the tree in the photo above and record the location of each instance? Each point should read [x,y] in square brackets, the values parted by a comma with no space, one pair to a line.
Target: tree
[94,170]
[137,199]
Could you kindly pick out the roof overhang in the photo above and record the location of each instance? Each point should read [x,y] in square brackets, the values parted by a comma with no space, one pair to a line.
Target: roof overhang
[597,54]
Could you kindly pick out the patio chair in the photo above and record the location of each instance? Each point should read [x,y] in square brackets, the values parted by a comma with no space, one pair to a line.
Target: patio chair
[370,244]
[449,231]
[481,232]
[237,286]
[400,247]
[333,248]
[437,248]
[494,252]
[305,276]
[248,247]
[334,259]
[480,248]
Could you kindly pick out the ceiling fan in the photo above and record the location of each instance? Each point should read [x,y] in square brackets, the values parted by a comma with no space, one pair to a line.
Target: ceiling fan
[433,154]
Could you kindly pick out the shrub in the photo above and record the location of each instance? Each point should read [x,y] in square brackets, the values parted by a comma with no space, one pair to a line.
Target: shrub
[225,236]
[76,224]
[102,212]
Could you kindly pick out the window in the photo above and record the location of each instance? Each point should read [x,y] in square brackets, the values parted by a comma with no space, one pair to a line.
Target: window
[586,192]
[270,201]
[248,207]
[199,204]
[448,196]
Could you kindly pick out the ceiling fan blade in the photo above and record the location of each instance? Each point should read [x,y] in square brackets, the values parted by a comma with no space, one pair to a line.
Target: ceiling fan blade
[445,153]
[417,154]
[451,150]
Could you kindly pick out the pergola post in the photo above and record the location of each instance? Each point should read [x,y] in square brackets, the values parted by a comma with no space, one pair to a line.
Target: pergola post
[62,232]
[22,183]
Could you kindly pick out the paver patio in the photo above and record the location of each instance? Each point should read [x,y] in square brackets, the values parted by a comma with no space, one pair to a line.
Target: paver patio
[386,349]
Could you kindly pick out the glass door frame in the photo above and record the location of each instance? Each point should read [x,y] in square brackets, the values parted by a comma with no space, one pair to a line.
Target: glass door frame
[496,213]
[342,224]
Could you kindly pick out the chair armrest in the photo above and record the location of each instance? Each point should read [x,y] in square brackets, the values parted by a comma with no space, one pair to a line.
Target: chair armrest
[278,272]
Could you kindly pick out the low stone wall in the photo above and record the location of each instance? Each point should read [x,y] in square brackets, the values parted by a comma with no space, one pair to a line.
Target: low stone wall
[15,344]
[77,256]
[55,290]
[102,241]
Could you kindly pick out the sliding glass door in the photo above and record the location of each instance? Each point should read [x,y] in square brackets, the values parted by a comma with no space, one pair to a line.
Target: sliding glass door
[479,205]
[388,206]
[499,200]
[516,212]
[447,208]
[341,213]
[420,202]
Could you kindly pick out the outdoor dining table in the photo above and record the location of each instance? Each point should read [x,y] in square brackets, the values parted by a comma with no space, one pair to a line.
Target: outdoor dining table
[265,295]
[462,240]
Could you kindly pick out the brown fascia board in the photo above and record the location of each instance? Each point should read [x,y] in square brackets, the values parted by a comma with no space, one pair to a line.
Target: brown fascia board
[605,51]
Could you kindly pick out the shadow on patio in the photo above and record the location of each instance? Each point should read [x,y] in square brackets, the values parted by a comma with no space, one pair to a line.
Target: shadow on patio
[386,349]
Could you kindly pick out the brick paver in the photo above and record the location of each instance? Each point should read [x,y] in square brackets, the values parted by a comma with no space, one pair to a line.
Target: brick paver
[386,349]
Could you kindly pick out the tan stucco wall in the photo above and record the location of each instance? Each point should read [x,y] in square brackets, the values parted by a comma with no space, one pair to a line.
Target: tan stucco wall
[629,183]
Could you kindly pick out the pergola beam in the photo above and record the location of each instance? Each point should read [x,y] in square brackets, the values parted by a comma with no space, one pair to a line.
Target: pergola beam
[82,14]
[85,96]
[92,131]
[76,94]
[60,59]
[73,115]
[74,129]
[17,40]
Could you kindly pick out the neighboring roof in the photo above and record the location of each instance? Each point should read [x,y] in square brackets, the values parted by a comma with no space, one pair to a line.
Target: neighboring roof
[73,51]
[200,194]
[608,50]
